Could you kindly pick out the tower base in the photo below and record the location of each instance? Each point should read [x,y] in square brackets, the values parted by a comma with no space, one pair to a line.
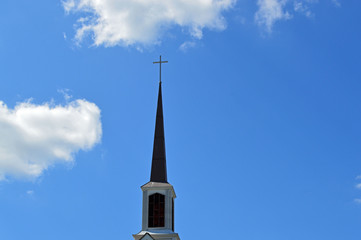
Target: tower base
[156,235]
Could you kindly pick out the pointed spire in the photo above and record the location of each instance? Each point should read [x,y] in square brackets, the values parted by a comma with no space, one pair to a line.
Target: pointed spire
[159,166]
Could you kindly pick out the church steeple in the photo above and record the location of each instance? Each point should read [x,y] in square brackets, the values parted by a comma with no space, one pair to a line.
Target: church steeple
[158,194]
[159,165]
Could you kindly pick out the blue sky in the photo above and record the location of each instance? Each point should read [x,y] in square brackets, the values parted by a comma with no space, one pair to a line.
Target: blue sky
[261,105]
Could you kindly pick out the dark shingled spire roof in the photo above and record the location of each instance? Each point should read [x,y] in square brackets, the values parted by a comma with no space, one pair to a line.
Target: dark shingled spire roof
[159,166]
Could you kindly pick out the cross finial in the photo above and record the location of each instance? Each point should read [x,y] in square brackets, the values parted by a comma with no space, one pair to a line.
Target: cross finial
[160,67]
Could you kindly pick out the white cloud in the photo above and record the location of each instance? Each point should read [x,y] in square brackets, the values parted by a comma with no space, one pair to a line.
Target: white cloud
[131,22]
[65,93]
[271,11]
[337,3]
[30,192]
[300,7]
[186,45]
[35,137]
[68,5]
[358,186]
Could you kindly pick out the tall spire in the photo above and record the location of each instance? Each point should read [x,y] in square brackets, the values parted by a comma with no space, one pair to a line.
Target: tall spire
[159,166]
[158,194]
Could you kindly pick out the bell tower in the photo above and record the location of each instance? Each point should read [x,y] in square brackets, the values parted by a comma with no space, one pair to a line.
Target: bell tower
[158,194]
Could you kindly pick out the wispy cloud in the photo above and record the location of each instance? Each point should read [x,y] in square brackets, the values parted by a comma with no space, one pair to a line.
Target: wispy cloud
[358,186]
[270,11]
[337,3]
[187,45]
[66,93]
[142,22]
[30,192]
[300,7]
[34,137]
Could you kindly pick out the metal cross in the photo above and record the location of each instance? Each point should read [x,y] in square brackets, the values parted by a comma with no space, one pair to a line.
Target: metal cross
[160,67]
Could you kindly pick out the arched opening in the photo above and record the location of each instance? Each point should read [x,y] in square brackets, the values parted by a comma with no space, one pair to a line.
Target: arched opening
[156,210]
